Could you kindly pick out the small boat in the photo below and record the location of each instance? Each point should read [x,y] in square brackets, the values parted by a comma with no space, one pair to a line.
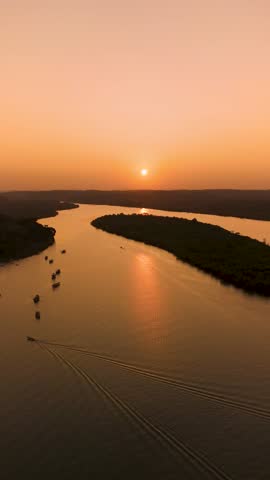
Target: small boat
[58,271]
[56,285]
[63,251]
[36,298]
[51,260]
[31,339]
[46,258]
[53,276]
[37,315]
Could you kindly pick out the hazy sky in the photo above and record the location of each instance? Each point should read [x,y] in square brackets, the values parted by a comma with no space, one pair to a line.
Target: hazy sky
[93,91]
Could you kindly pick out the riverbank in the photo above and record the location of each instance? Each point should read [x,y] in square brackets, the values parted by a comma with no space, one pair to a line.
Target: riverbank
[230,257]
[29,205]
[252,204]
[20,234]
[22,238]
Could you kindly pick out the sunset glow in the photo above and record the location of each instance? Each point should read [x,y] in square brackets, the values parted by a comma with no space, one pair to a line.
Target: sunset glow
[87,86]
[135,239]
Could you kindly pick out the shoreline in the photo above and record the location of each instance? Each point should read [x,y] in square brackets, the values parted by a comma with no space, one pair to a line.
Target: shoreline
[23,238]
[245,204]
[231,258]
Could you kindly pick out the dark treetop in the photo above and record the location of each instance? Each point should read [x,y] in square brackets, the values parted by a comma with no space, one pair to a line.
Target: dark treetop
[21,205]
[253,204]
[22,238]
[20,235]
[232,258]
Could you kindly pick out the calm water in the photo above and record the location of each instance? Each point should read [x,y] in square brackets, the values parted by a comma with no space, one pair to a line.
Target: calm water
[173,380]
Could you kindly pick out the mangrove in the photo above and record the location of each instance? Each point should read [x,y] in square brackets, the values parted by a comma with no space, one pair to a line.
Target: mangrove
[234,259]
[20,238]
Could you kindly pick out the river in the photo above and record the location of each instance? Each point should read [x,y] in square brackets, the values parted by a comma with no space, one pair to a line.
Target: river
[146,367]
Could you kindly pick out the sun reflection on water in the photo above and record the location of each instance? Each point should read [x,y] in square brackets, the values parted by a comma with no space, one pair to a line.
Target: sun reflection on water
[148,297]
[144,211]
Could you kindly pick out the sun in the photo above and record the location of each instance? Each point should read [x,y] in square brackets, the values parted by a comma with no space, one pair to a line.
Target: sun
[144,172]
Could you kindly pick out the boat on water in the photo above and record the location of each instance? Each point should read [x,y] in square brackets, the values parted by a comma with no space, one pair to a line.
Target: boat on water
[31,339]
[46,258]
[56,285]
[63,251]
[58,271]
[51,260]
[37,315]
[36,298]
[53,276]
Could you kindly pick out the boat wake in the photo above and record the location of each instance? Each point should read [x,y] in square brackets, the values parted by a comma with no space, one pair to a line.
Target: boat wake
[178,448]
[188,388]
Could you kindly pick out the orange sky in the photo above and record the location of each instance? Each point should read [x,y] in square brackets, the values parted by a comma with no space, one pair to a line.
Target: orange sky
[93,91]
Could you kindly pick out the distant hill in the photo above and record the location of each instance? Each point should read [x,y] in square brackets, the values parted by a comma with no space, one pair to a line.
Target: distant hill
[25,205]
[254,204]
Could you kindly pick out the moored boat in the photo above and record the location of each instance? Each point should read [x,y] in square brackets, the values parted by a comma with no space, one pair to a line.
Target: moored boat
[56,285]
[36,298]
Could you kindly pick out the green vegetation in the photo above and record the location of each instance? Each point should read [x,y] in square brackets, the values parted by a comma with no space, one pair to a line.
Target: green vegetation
[232,258]
[22,238]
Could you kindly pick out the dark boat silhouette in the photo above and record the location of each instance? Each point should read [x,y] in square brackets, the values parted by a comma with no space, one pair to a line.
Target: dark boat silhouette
[58,271]
[36,298]
[31,339]
[46,258]
[53,276]
[56,285]
[51,261]
[63,251]
[37,315]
